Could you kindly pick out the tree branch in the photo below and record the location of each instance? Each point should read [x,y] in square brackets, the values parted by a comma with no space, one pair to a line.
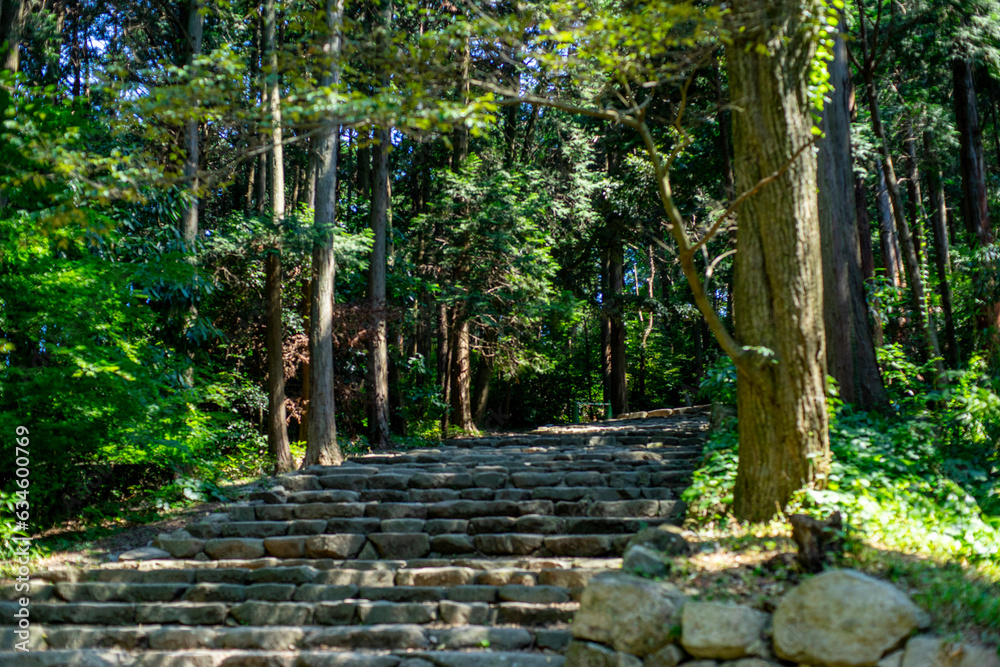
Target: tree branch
[749,193]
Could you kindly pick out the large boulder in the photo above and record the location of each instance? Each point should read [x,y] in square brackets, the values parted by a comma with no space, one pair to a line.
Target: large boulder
[715,630]
[843,618]
[632,614]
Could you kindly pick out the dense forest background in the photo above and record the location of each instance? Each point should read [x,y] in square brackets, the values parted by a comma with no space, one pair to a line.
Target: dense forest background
[224,226]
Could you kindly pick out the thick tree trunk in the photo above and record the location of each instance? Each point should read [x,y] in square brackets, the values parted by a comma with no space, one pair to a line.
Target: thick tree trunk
[277,431]
[378,357]
[784,443]
[925,326]
[942,251]
[850,352]
[323,448]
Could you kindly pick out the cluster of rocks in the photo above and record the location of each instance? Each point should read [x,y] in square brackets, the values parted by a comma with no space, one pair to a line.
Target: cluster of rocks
[840,618]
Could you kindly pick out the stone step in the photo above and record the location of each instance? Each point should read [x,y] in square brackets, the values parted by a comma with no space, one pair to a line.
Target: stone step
[235,658]
[426,556]
[555,607]
[394,637]
[410,585]
[304,583]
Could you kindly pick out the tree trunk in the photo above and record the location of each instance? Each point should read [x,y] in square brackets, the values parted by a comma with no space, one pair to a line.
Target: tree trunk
[277,430]
[461,373]
[277,433]
[887,231]
[914,198]
[725,142]
[974,195]
[942,252]
[850,352]
[189,203]
[323,448]
[444,363]
[925,326]
[613,326]
[784,443]
[12,15]
[481,393]
[864,230]
[378,358]
[970,135]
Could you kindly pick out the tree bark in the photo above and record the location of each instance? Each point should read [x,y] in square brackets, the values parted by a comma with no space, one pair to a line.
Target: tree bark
[942,252]
[378,357]
[850,352]
[277,430]
[461,373]
[378,346]
[484,375]
[784,442]
[323,448]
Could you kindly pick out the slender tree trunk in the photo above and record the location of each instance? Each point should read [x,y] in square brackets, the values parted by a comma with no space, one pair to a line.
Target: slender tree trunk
[913,275]
[378,358]
[970,134]
[444,363]
[307,290]
[942,252]
[461,373]
[850,352]
[864,229]
[725,142]
[914,197]
[323,448]
[484,374]
[189,205]
[378,347]
[974,195]
[887,231]
[784,443]
[616,276]
[277,431]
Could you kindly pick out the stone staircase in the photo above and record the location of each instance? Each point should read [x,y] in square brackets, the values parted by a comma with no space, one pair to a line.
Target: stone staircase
[473,554]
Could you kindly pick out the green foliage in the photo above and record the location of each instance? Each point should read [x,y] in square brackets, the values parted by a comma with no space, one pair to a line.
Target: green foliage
[719,383]
[889,478]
